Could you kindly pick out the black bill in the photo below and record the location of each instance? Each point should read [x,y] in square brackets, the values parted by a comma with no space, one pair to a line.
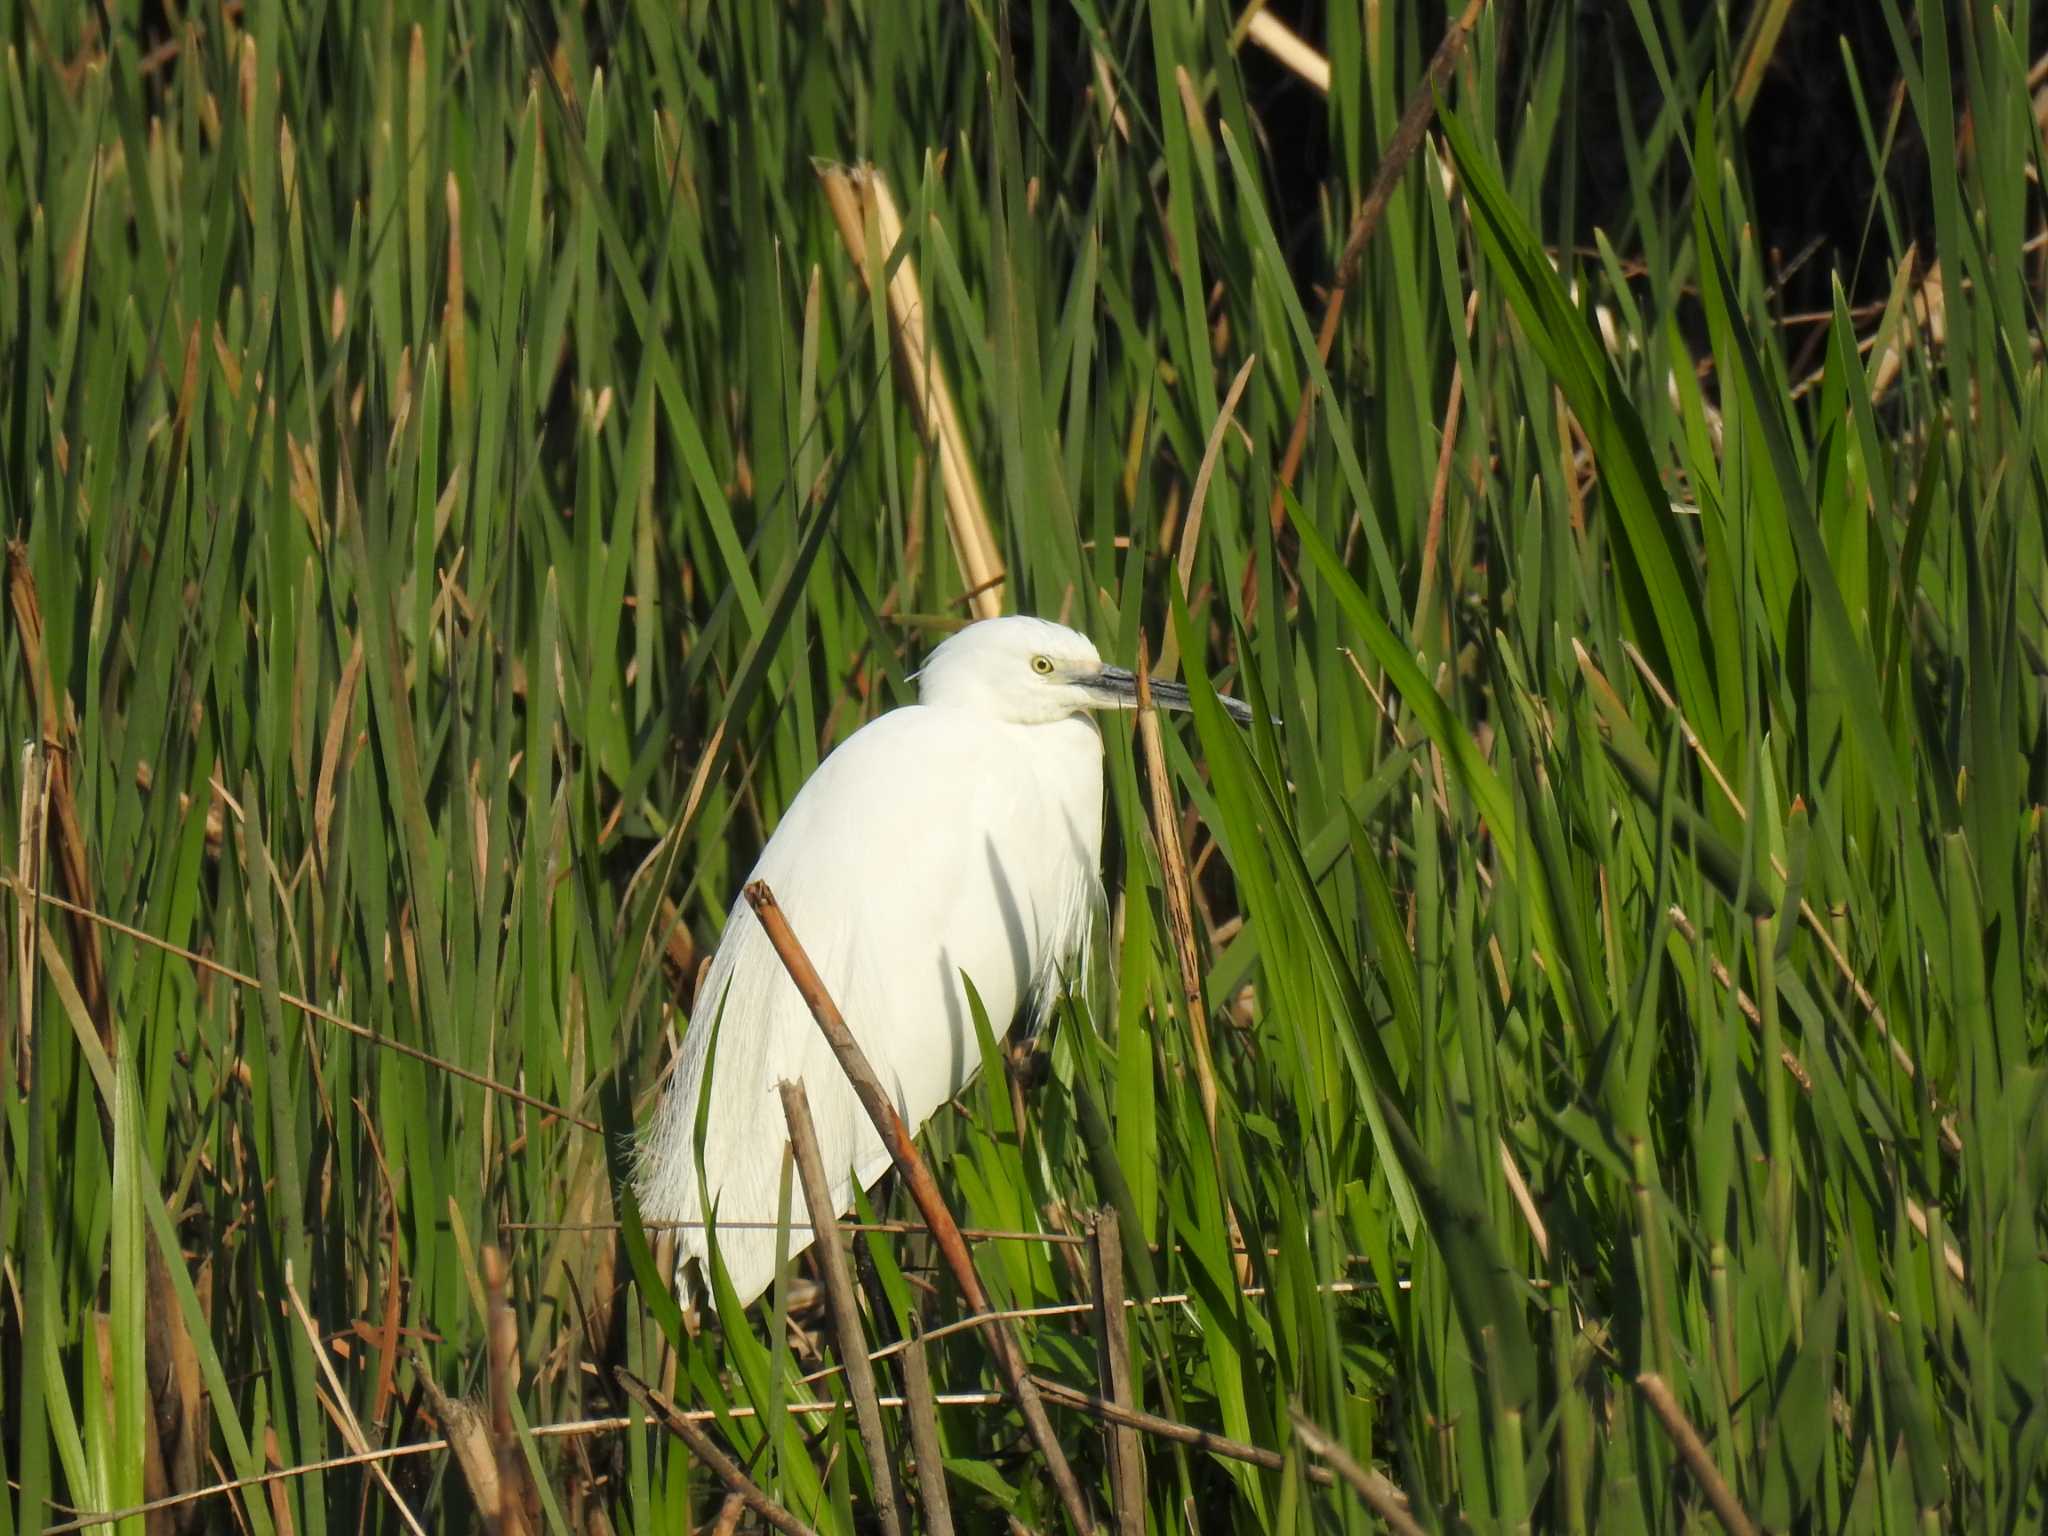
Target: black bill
[1118,689]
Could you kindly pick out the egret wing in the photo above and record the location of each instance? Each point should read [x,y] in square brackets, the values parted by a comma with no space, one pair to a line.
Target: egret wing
[922,847]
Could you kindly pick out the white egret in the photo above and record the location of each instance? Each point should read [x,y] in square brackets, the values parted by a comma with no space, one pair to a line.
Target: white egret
[962,833]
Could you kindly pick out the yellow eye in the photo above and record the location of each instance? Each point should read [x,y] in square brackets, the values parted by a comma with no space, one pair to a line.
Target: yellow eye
[1042,665]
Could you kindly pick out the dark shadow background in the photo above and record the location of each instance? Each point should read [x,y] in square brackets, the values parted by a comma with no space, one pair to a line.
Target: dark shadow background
[1811,184]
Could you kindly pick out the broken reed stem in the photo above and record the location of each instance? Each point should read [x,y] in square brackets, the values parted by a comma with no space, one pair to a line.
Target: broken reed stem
[1113,1352]
[858,194]
[1374,1488]
[853,1348]
[467,1434]
[1693,1452]
[922,1410]
[706,1450]
[1287,46]
[521,1512]
[1170,1429]
[1415,118]
[729,1513]
[923,1189]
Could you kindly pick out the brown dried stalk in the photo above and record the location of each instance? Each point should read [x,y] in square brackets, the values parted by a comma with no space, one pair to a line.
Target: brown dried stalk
[706,1450]
[1415,119]
[1380,1494]
[1693,1452]
[853,1348]
[858,194]
[924,1190]
[1113,1349]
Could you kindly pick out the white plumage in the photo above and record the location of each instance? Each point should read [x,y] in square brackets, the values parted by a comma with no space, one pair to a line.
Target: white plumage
[961,833]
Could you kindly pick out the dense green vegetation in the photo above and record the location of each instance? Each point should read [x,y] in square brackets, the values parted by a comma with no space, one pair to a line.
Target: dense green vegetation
[458,484]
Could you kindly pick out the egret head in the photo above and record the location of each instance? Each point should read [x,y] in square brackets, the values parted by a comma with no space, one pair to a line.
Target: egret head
[1031,672]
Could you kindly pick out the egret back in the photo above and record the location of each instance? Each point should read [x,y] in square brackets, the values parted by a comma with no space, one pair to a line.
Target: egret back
[933,841]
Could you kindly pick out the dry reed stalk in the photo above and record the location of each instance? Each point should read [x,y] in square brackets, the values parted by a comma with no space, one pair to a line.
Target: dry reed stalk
[859,197]
[1408,132]
[922,1410]
[1113,1350]
[1439,490]
[280,1506]
[1929,321]
[1180,923]
[1380,1495]
[1171,1429]
[28,913]
[1180,916]
[611,1424]
[853,1349]
[1693,1452]
[468,1435]
[1191,530]
[1288,46]
[924,1189]
[340,719]
[979,1320]
[706,1450]
[57,725]
[383,1339]
[522,1499]
[338,1407]
[1112,103]
[454,334]
[1524,1202]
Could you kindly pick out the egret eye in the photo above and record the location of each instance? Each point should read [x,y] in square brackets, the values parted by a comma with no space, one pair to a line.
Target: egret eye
[1042,665]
